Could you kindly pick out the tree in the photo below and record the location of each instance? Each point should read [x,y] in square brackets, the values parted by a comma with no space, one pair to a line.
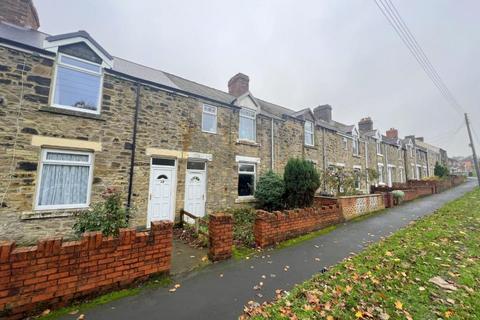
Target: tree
[341,181]
[301,182]
[440,171]
[270,191]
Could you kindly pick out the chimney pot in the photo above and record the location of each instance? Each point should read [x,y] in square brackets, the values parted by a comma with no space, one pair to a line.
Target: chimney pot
[365,125]
[238,85]
[392,133]
[323,112]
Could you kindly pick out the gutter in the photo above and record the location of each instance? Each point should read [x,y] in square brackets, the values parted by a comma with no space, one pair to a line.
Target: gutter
[27,47]
[272,150]
[134,145]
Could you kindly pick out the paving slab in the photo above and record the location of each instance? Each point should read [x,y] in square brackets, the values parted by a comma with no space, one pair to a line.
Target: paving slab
[221,290]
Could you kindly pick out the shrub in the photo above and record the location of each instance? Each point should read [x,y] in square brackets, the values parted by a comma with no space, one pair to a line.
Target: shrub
[398,194]
[107,216]
[440,171]
[301,182]
[244,219]
[270,191]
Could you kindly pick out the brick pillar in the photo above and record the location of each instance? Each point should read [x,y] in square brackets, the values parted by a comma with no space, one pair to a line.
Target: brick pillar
[388,199]
[220,232]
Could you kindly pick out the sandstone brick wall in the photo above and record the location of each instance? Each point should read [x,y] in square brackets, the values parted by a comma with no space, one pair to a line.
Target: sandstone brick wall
[220,233]
[273,227]
[55,272]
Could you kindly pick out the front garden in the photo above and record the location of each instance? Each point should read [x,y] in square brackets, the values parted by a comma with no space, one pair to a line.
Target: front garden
[429,270]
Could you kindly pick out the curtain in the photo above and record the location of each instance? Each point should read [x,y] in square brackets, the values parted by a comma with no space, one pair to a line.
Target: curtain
[64,183]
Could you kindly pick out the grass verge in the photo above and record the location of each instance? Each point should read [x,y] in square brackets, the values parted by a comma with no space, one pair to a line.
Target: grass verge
[82,306]
[392,279]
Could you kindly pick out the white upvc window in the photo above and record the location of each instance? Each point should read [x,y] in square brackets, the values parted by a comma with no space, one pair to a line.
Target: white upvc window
[381,178]
[209,119]
[345,143]
[309,133]
[355,147]
[379,148]
[357,173]
[247,130]
[65,179]
[77,84]
[401,174]
[246,179]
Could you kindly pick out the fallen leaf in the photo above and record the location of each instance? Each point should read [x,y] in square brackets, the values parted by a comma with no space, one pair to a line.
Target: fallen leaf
[448,314]
[388,254]
[172,290]
[330,318]
[73,312]
[421,288]
[81,317]
[45,312]
[398,305]
[204,258]
[359,314]
[439,281]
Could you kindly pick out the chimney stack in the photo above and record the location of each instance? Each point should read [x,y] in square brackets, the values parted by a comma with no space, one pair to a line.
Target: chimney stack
[365,125]
[323,112]
[392,133]
[238,85]
[21,13]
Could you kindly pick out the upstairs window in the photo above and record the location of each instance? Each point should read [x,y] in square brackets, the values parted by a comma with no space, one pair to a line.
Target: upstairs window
[78,84]
[355,147]
[247,125]
[308,132]
[65,179]
[209,119]
[380,173]
[345,143]
[246,179]
[379,148]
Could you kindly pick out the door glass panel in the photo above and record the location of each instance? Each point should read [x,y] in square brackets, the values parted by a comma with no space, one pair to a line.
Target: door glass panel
[163,162]
[195,165]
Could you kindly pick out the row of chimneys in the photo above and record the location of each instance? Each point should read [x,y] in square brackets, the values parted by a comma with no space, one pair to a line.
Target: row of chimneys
[23,13]
[239,85]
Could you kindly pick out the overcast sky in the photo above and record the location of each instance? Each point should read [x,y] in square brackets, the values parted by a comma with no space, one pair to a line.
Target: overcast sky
[302,53]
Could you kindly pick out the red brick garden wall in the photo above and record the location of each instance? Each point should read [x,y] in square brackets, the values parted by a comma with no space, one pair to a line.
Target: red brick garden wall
[220,233]
[54,272]
[273,227]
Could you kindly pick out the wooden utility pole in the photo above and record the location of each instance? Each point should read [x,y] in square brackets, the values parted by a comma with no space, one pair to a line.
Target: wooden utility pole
[474,154]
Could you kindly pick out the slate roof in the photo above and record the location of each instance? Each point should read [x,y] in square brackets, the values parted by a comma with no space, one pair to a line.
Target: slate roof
[36,39]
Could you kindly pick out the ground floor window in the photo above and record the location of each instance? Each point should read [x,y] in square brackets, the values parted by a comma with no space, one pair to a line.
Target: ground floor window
[356,176]
[65,179]
[246,179]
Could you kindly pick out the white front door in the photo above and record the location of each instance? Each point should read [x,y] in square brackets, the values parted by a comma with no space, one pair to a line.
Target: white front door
[195,183]
[161,204]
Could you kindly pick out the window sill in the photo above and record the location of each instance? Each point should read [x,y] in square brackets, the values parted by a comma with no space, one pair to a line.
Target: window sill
[209,132]
[246,199]
[310,147]
[71,113]
[248,143]
[50,214]
[356,156]
[379,154]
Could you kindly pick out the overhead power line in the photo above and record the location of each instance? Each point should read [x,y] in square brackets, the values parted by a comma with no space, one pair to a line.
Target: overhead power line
[392,15]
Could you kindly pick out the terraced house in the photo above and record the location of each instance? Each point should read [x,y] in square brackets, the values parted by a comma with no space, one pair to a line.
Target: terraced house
[76,119]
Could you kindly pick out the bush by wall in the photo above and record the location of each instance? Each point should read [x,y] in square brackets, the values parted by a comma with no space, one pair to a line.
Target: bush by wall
[270,192]
[301,182]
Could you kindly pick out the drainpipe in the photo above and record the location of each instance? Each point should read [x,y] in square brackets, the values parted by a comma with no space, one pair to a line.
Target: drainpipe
[324,157]
[134,144]
[366,164]
[385,151]
[272,149]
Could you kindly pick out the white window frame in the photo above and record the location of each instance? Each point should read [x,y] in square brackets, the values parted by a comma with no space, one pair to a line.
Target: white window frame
[254,173]
[43,160]
[254,118]
[68,66]
[345,143]
[310,132]
[379,148]
[381,173]
[206,106]
[355,146]
[357,177]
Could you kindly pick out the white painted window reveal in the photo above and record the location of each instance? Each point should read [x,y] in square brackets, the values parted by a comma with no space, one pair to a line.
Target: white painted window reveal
[209,119]
[247,125]
[309,133]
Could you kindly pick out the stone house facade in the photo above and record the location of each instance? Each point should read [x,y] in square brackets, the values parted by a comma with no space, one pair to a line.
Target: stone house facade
[76,120]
